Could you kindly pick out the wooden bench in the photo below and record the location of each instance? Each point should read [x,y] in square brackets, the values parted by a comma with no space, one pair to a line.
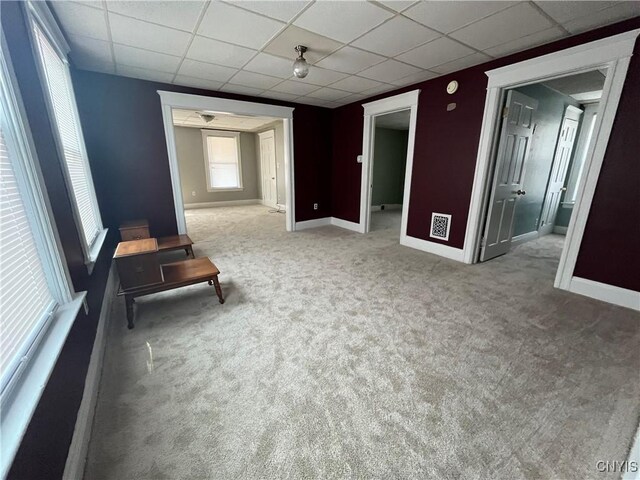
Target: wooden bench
[176,275]
[176,242]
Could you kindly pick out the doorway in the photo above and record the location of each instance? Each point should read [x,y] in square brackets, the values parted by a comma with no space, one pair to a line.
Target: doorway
[612,53]
[222,107]
[389,160]
[541,125]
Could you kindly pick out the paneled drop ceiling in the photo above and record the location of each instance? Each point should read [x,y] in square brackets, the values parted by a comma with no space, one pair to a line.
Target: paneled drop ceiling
[358,49]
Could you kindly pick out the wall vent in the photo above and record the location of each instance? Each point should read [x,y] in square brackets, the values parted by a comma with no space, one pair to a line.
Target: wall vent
[440,226]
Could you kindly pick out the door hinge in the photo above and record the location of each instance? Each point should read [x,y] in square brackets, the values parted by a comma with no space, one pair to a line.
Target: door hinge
[505,112]
[483,242]
[535,125]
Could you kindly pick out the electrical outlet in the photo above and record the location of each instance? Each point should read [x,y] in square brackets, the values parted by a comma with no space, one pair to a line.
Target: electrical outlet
[315,206]
[193,193]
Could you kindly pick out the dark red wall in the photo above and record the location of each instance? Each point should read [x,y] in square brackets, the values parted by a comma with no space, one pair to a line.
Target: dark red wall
[124,133]
[445,157]
[43,451]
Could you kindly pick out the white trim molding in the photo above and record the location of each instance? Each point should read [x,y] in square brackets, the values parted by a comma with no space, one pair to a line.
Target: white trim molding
[77,456]
[606,293]
[403,101]
[612,53]
[317,222]
[432,247]
[387,206]
[525,237]
[338,222]
[226,203]
[170,100]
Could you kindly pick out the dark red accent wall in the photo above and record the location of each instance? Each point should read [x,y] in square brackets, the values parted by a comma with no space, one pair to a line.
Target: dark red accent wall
[124,134]
[445,157]
[43,451]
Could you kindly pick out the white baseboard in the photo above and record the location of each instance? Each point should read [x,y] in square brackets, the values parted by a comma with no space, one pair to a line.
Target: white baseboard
[560,230]
[270,205]
[446,251]
[338,222]
[525,237]
[77,456]
[606,293]
[318,222]
[634,457]
[228,203]
[387,206]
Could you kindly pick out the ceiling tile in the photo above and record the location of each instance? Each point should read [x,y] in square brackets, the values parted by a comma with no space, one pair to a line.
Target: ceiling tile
[207,71]
[389,71]
[397,5]
[270,65]
[529,41]
[355,84]
[320,76]
[144,74]
[330,94]
[136,33]
[318,46]
[241,89]
[137,57]
[620,11]
[395,36]
[356,97]
[287,97]
[377,90]
[89,50]
[414,78]
[79,19]
[316,102]
[567,10]
[197,82]
[255,80]
[295,88]
[350,60]
[234,25]
[213,51]
[182,15]
[434,53]
[503,27]
[280,10]
[461,63]
[343,21]
[448,16]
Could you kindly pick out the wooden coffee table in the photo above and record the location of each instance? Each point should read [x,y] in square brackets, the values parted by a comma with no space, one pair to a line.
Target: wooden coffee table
[176,275]
[176,242]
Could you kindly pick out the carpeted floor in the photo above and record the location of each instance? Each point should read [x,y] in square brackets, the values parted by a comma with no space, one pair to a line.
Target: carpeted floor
[338,355]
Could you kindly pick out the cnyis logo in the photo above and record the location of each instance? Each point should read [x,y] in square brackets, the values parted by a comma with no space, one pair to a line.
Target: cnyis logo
[616,467]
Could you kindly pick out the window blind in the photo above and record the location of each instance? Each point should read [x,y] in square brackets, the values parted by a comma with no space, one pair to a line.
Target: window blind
[60,91]
[222,153]
[25,298]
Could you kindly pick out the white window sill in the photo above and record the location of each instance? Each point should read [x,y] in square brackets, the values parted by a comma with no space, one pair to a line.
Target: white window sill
[20,400]
[237,189]
[95,250]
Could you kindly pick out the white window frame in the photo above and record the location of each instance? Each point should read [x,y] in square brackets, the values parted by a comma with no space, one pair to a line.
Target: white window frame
[22,393]
[39,15]
[225,134]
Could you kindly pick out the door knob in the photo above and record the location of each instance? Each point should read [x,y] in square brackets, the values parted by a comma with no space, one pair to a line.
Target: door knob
[519,192]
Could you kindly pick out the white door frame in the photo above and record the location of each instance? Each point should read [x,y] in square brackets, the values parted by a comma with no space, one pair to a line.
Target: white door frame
[613,53]
[404,101]
[170,100]
[261,136]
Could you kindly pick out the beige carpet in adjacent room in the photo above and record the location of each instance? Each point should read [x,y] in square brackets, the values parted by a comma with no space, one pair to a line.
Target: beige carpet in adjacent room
[340,355]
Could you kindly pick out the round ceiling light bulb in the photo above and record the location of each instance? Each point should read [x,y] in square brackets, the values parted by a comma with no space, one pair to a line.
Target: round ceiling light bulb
[300,66]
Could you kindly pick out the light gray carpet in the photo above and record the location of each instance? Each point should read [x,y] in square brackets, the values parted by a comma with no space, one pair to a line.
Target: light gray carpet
[339,355]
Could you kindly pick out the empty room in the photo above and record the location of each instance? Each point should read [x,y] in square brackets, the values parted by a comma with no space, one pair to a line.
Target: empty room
[319,240]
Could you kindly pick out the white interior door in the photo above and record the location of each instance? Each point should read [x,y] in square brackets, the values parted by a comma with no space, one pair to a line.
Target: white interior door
[555,187]
[513,150]
[268,168]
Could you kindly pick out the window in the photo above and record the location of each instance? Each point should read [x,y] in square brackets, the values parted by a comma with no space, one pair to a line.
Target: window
[63,109]
[37,303]
[222,160]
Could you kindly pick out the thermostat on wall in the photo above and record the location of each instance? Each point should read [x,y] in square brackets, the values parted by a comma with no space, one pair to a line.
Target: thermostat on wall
[452,87]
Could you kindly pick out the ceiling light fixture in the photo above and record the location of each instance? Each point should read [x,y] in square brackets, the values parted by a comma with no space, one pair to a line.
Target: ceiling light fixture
[300,66]
[206,117]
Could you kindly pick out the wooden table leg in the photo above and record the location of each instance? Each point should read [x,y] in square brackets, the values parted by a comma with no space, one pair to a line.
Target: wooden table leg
[216,284]
[129,303]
